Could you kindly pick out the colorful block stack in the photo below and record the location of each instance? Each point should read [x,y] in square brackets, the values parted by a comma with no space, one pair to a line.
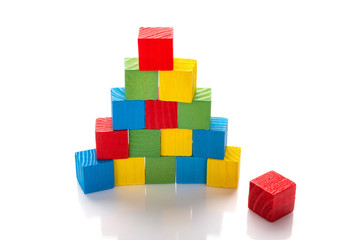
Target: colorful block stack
[161,129]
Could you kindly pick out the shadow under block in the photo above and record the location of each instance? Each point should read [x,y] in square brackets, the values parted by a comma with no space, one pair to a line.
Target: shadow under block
[197,114]
[272,196]
[144,143]
[126,114]
[129,171]
[155,48]
[191,170]
[110,144]
[178,85]
[93,175]
[211,143]
[161,114]
[139,85]
[176,142]
[224,173]
[160,170]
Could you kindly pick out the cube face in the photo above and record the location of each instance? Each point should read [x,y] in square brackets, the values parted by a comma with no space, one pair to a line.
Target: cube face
[155,48]
[272,196]
[160,170]
[161,114]
[110,144]
[144,143]
[91,174]
[139,85]
[178,85]
[176,142]
[129,171]
[191,170]
[224,173]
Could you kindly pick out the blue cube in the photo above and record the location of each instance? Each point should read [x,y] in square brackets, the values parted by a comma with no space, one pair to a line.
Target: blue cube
[126,114]
[191,170]
[93,175]
[211,143]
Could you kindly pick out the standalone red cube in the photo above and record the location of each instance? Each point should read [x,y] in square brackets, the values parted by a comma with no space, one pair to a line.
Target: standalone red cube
[161,114]
[110,144]
[272,196]
[156,48]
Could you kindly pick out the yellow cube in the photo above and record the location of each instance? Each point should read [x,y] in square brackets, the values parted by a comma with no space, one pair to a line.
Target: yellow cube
[176,142]
[224,173]
[178,85]
[129,171]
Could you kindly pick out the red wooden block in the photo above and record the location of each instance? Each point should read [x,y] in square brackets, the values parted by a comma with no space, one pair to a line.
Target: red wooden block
[110,144]
[156,48]
[161,114]
[272,196]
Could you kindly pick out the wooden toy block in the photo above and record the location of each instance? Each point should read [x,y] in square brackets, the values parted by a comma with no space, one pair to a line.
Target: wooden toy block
[191,170]
[144,143]
[126,114]
[211,143]
[110,144]
[155,48]
[272,196]
[139,85]
[178,85]
[224,173]
[93,175]
[176,142]
[129,171]
[161,114]
[160,170]
[197,114]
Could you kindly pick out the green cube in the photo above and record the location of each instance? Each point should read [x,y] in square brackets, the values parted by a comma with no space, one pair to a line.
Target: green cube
[139,85]
[196,115]
[160,170]
[144,143]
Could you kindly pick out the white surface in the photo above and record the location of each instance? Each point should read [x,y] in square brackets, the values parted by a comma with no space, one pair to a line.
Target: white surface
[285,73]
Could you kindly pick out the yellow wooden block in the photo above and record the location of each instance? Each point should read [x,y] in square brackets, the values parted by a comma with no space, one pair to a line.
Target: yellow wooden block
[178,85]
[176,142]
[129,171]
[224,173]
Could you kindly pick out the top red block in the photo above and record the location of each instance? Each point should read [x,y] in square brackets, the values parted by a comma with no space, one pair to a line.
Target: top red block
[156,49]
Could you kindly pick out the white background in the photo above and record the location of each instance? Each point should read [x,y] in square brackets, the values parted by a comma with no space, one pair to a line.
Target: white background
[285,73]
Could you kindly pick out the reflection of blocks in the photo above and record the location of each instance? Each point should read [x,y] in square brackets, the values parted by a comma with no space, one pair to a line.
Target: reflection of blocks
[211,143]
[139,85]
[161,114]
[191,170]
[178,85]
[176,142]
[272,196]
[196,115]
[93,175]
[129,171]
[126,114]
[144,143]
[110,144]
[224,173]
[160,170]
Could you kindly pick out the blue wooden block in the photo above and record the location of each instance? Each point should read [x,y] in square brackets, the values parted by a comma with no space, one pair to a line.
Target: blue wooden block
[126,114]
[211,143]
[93,175]
[191,170]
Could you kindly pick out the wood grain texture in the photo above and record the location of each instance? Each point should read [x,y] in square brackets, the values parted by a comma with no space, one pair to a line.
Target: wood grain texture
[129,171]
[176,142]
[191,170]
[160,170]
[161,114]
[144,143]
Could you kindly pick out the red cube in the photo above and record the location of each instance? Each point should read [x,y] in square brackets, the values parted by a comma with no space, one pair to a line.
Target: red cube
[156,48]
[110,144]
[272,196]
[161,114]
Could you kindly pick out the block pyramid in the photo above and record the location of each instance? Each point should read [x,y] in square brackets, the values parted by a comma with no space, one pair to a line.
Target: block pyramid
[161,129]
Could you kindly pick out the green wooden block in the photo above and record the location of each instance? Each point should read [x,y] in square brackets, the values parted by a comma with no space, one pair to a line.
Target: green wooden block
[160,170]
[144,143]
[139,85]
[197,114]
